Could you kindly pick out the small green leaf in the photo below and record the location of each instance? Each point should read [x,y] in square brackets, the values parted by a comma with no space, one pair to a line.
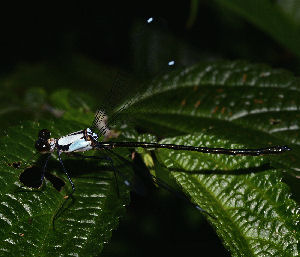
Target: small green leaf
[291,8]
[34,92]
[270,18]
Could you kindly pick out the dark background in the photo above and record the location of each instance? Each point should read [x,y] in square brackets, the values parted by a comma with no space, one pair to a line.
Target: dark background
[53,33]
[158,224]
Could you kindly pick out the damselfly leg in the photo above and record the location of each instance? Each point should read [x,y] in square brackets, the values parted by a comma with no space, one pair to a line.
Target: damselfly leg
[45,167]
[105,158]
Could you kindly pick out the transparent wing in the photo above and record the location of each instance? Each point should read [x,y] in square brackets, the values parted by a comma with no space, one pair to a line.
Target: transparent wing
[145,41]
[100,123]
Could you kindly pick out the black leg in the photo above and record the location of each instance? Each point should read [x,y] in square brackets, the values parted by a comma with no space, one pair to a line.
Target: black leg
[115,174]
[180,195]
[67,196]
[44,168]
[65,171]
[107,158]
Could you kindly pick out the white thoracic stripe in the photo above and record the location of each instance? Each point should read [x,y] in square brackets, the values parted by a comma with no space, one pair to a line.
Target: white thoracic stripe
[70,138]
[80,145]
[79,141]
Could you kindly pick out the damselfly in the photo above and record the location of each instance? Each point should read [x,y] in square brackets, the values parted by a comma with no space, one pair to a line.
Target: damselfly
[88,139]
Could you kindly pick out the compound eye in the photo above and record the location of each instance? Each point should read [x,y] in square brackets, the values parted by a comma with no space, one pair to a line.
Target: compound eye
[44,134]
[42,145]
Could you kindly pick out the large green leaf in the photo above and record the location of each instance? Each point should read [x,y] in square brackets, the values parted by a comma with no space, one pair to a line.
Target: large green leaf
[86,222]
[228,104]
[223,105]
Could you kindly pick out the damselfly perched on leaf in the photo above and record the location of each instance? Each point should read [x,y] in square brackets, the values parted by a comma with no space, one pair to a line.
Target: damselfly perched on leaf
[95,137]
[87,139]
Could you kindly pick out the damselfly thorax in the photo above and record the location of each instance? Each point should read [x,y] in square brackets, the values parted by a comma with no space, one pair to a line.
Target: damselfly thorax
[79,141]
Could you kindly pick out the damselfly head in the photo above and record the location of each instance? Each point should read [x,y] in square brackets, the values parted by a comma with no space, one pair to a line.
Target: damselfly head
[42,145]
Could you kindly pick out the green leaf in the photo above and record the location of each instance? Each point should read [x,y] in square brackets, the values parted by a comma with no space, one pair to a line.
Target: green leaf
[85,223]
[291,8]
[270,18]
